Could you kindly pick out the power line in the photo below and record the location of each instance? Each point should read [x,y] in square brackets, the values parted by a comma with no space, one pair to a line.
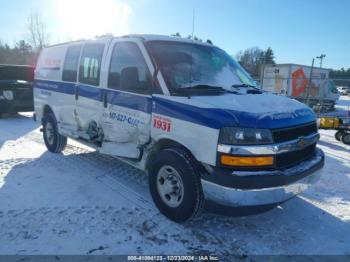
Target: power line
[321,57]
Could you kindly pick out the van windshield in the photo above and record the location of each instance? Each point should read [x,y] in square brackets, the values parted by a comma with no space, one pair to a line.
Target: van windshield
[191,65]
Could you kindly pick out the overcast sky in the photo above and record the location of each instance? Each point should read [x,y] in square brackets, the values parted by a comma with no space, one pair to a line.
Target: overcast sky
[297,30]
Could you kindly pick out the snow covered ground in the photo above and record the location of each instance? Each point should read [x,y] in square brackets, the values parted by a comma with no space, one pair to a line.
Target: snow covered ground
[81,202]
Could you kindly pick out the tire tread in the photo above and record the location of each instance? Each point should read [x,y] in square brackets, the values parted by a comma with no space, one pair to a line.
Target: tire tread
[344,137]
[61,141]
[190,166]
[196,179]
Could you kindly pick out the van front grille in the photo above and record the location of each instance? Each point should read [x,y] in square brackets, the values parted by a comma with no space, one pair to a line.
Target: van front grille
[292,133]
[291,158]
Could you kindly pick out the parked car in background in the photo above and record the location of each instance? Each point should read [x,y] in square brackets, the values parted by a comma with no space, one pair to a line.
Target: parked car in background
[16,88]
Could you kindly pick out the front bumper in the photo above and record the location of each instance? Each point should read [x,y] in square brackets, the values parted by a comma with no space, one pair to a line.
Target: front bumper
[253,188]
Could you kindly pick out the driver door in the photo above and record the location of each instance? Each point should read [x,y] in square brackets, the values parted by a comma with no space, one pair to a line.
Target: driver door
[126,101]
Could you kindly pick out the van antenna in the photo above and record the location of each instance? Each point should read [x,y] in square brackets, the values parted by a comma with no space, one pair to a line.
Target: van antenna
[193,16]
[191,50]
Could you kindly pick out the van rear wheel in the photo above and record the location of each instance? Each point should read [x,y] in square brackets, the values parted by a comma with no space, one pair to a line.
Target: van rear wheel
[175,185]
[54,142]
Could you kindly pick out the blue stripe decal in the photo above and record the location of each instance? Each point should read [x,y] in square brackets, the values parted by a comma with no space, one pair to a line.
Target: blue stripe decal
[136,102]
[218,118]
[114,97]
[60,87]
[91,92]
[211,117]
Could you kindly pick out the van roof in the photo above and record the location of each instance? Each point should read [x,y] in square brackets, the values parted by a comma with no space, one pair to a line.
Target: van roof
[144,37]
[150,37]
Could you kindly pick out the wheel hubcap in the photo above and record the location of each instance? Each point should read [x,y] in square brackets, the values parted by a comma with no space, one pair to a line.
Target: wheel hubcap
[170,187]
[49,133]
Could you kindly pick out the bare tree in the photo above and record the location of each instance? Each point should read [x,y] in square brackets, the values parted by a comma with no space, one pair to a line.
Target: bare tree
[38,36]
[253,59]
[23,46]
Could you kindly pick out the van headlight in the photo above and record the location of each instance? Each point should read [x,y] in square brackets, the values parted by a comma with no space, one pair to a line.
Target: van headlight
[245,136]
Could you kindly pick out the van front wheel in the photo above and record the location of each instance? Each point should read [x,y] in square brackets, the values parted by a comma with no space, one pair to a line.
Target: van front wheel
[175,185]
[346,138]
[338,135]
[54,142]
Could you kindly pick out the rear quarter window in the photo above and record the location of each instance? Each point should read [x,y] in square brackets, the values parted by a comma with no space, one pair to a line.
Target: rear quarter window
[70,67]
[50,63]
[90,64]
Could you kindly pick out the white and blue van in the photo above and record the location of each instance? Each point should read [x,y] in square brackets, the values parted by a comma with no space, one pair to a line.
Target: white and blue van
[183,111]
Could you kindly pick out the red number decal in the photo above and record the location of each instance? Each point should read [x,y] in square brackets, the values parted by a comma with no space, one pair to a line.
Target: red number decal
[168,127]
[162,123]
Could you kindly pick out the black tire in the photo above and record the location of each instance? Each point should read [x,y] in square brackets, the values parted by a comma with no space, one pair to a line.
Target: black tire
[346,138]
[54,142]
[338,135]
[192,197]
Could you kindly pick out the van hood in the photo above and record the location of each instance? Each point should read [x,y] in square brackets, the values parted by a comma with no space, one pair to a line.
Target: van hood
[246,110]
[261,110]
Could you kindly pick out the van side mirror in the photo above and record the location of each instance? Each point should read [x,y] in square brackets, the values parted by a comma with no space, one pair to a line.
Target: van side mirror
[129,78]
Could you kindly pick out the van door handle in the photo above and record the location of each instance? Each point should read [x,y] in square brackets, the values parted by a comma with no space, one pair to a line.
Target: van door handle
[76,92]
[105,99]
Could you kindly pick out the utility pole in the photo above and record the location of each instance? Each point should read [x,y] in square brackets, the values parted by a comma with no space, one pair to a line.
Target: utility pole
[321,57]
[262,72]
[309,84]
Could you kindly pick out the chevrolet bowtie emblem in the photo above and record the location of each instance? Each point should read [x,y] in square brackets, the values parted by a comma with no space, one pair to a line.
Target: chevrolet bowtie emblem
[301,142]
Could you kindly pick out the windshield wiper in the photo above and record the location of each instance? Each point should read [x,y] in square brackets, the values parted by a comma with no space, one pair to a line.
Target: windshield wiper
[209,88]
[204,88]
[254,90]
[244,85]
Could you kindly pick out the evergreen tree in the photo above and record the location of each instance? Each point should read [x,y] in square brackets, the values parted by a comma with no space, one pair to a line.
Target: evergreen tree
[21,54]
[23,46]
[269,57]
[252,59]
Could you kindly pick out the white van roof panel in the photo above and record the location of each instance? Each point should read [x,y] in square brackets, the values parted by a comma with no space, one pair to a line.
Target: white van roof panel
[150,37]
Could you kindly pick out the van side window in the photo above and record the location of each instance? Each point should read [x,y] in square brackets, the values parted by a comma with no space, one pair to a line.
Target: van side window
[90,64]
[71,61]
[128,70]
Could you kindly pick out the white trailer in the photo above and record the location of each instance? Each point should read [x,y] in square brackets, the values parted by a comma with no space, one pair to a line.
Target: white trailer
[297,82]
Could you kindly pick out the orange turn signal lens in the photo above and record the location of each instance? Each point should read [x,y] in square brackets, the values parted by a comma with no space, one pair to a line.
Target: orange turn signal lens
[246,160]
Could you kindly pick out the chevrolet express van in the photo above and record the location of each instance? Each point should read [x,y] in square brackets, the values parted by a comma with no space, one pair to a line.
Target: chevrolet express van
[183,111]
